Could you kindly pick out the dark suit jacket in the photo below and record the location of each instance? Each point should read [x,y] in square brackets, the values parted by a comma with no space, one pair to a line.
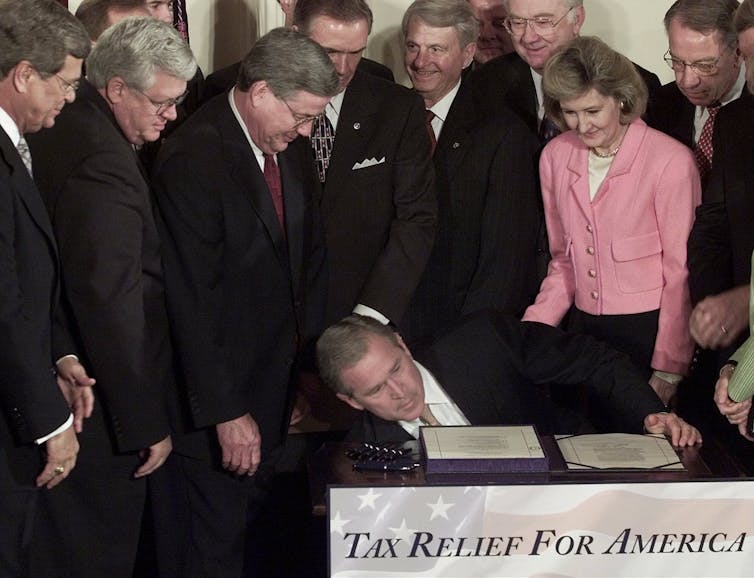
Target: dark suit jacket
[672,113]
[31,405]
[239,295]
[507,81]
[221,80]
[722,238]
[99,203]
[491,366]
[486,245]
[379,220]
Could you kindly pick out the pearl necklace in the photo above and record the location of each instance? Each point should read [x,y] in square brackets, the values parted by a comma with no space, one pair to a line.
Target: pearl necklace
[612,153]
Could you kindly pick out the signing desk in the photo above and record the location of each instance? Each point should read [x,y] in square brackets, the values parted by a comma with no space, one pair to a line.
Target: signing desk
[694,522]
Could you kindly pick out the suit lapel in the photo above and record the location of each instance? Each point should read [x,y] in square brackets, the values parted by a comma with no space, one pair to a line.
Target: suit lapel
[455,138]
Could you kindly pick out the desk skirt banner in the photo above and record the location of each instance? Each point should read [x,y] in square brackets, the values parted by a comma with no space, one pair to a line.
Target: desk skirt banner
[679,529]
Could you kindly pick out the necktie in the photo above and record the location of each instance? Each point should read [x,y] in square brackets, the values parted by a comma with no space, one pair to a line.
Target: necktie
[703,150]
[427,417]
[272,177]
[23,150]
[432,138]
[548,130]
[323,137]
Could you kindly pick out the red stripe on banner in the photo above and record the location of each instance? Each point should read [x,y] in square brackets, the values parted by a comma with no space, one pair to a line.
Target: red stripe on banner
[180,18]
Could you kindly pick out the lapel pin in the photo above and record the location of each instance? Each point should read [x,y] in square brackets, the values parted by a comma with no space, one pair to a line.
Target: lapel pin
[356,126]
[456,145]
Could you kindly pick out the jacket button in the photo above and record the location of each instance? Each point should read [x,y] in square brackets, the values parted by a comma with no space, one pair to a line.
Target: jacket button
[592,273]
[590,250]
[595,295]
[589,228]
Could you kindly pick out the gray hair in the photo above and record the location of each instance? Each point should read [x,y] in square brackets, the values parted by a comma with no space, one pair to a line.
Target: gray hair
[134,49]
[588,63]
[344,344]
[342,10]
[288,62]
[706,16]
[42,32]
[444,14]
[95,14]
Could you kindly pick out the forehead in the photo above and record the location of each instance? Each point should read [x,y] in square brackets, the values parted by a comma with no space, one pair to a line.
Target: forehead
[421,32]
[590,99]
[339,34]
[479,5]
[692,45]
[529,8]
[374,367]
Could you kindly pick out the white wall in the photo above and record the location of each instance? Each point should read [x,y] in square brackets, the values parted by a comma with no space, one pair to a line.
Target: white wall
[222,30]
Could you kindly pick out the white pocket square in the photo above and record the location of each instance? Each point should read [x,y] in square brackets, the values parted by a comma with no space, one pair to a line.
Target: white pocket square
[367,163]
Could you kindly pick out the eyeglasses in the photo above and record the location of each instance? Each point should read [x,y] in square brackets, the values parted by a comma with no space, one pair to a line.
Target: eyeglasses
[299,118]
[67,85]
[702,68]
[542,25]
[161,107]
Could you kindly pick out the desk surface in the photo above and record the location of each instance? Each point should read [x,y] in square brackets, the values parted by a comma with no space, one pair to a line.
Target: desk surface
[330,466]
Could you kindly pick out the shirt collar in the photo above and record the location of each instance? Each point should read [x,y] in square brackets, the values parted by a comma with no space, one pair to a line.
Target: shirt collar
[442,106]
[10,127]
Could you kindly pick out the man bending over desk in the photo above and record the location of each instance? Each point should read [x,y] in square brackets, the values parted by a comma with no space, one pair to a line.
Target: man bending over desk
[489,369]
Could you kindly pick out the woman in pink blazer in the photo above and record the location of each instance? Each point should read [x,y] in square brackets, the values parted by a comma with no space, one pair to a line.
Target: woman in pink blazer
[619,202]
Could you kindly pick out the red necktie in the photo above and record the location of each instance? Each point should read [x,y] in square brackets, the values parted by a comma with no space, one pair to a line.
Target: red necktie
[430,130]
[703,150]
[272,177]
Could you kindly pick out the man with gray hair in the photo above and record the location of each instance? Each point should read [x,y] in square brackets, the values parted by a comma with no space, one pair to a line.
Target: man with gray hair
[486,244]
[42,47]
[243,257]
[101,210]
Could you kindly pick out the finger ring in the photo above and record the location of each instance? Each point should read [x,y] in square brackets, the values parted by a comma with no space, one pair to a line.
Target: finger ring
[725,331]
[59,470]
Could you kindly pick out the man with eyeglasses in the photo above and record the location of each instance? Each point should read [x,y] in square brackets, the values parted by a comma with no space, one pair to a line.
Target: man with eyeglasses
[41,44]
[538,28]
[708,109]
[99,202]
[243,252]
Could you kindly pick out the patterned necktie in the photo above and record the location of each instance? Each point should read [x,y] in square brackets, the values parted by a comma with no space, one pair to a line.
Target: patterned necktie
[23,150]
[427,417]
[323,137]
[548,130]
[703,150]
[272,177]
[431,131]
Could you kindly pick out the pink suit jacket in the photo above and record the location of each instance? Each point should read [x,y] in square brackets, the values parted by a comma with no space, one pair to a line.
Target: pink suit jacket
[625,251]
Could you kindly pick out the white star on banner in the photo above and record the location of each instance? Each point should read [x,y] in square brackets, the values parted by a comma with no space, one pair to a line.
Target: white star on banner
[337,523]
[440,508]
[368,499]
[382,513]
[404,532]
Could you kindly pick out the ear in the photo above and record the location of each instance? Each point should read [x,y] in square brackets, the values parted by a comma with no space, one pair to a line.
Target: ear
[350,401]
[21,74]
[468,53]
[115,90]
[259,92]
[579,15]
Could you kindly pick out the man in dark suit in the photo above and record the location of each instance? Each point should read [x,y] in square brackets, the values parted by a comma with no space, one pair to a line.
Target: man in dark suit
[703,53]
[42,48]
[485,371]
[99,202]
[243,258]
[378,200]
[541,28]
[486,245]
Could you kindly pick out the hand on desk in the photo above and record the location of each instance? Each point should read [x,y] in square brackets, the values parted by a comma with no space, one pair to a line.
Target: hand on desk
[241,444]
[669,424]
[718,320]
[735,412]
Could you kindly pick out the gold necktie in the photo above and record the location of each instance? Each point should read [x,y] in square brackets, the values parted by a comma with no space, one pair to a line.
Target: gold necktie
[427,418]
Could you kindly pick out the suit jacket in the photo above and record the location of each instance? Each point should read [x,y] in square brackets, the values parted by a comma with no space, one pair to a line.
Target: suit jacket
[486,246]
[492,365]
[507,81]
[241,296]
[625,251]
[99,203]
[379,220]
[31,405]
[221,80]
